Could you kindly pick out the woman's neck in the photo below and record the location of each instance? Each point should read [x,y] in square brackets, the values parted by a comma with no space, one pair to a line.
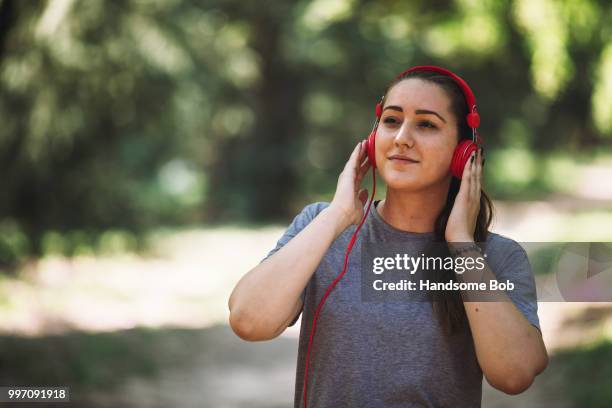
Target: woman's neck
[412,211]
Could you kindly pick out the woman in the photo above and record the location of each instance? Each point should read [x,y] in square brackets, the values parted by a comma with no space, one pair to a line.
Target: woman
[400,354]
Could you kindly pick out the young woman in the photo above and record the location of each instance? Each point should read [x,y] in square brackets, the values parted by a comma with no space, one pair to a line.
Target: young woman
[398,354]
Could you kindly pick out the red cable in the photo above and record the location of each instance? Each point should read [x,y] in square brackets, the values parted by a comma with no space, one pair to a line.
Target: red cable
[331,286]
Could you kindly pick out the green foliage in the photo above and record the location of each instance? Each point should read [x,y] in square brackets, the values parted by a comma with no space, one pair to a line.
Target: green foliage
[129,115]
[544,259]
[80,360]
[588,374]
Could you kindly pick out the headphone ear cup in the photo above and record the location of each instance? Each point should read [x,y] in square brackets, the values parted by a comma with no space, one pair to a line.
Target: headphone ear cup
[462,154]
[371,148]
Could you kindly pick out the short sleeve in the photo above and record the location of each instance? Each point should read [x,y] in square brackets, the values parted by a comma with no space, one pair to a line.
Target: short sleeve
[300,221]
[517,269]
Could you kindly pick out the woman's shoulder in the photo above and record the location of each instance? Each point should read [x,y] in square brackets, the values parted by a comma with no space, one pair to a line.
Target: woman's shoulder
[503,247]
[307,214]
[311,210]
[500,239]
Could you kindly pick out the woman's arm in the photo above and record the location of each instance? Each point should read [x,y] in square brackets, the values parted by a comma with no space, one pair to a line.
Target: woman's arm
[267,298]
[509,349]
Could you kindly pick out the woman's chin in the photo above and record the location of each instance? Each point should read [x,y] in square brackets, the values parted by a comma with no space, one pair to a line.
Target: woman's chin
[403,180]
[414,180]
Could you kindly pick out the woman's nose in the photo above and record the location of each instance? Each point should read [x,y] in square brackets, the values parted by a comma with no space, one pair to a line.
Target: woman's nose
[404,135]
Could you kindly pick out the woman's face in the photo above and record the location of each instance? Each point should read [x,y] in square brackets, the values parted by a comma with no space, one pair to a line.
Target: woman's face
[417,123]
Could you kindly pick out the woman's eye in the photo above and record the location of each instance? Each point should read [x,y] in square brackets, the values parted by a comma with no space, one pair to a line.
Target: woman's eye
[427,124]
[390,119]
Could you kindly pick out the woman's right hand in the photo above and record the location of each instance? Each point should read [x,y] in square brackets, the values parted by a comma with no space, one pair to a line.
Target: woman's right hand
[348,199]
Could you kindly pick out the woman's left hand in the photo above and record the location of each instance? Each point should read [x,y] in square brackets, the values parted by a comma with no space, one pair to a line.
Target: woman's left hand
[461,223]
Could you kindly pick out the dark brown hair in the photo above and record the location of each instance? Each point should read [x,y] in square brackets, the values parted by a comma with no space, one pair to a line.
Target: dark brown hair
[448,305]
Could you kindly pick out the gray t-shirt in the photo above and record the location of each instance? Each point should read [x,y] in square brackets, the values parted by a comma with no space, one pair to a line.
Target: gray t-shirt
[390,354]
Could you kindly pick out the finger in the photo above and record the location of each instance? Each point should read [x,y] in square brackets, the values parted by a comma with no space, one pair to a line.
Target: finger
[467,168]
[477,183]
[360,155]
[477,167]
[363,154]
[365,165]
[359,163]
[363,169]
[353,163]
[473,181]
[350,169]
[364,160]
[479,171]
[354,155]
[464,187]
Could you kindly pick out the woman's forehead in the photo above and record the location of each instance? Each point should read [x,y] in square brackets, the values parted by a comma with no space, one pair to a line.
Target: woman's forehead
[416,93]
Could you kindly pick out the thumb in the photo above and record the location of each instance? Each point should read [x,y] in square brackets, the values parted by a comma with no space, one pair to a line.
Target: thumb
[363,196]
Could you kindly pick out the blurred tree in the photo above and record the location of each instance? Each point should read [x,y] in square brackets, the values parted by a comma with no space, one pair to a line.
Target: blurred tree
[254,173]
[138,113]
[91,115]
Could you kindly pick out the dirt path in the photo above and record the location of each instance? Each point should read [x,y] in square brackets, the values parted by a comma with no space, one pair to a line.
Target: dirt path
[185,282]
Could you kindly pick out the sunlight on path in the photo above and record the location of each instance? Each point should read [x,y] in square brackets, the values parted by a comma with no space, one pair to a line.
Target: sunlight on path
[188,275]
[185,283]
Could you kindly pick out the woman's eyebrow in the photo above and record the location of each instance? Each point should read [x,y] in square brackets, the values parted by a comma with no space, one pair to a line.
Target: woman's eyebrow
[393,107]
[430,113]
[418,111]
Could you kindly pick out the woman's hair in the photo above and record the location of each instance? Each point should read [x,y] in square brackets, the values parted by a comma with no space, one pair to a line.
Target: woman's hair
[448,305]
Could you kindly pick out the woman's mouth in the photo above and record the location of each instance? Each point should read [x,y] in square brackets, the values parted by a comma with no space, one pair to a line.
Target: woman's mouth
[402,159]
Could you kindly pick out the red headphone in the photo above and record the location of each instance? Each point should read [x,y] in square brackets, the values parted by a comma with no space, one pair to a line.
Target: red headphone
[465,148]
[461,155]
